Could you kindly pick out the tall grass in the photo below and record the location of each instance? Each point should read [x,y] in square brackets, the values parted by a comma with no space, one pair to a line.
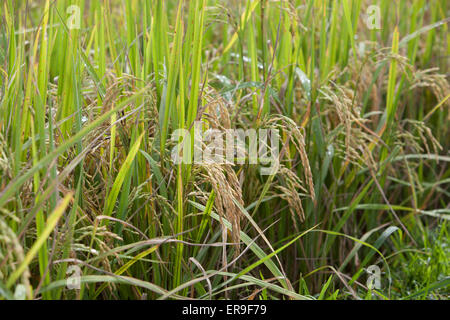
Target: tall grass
[86,121]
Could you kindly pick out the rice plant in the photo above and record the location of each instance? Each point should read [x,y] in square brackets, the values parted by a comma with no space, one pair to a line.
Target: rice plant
[108,108]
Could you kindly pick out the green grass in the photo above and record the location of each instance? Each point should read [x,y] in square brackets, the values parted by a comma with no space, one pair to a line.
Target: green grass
[86,122]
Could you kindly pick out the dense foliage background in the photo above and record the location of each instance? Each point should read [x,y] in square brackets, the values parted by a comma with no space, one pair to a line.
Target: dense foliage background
[90,92]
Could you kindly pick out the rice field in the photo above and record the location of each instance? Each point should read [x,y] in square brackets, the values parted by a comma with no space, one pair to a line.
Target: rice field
[116,116]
